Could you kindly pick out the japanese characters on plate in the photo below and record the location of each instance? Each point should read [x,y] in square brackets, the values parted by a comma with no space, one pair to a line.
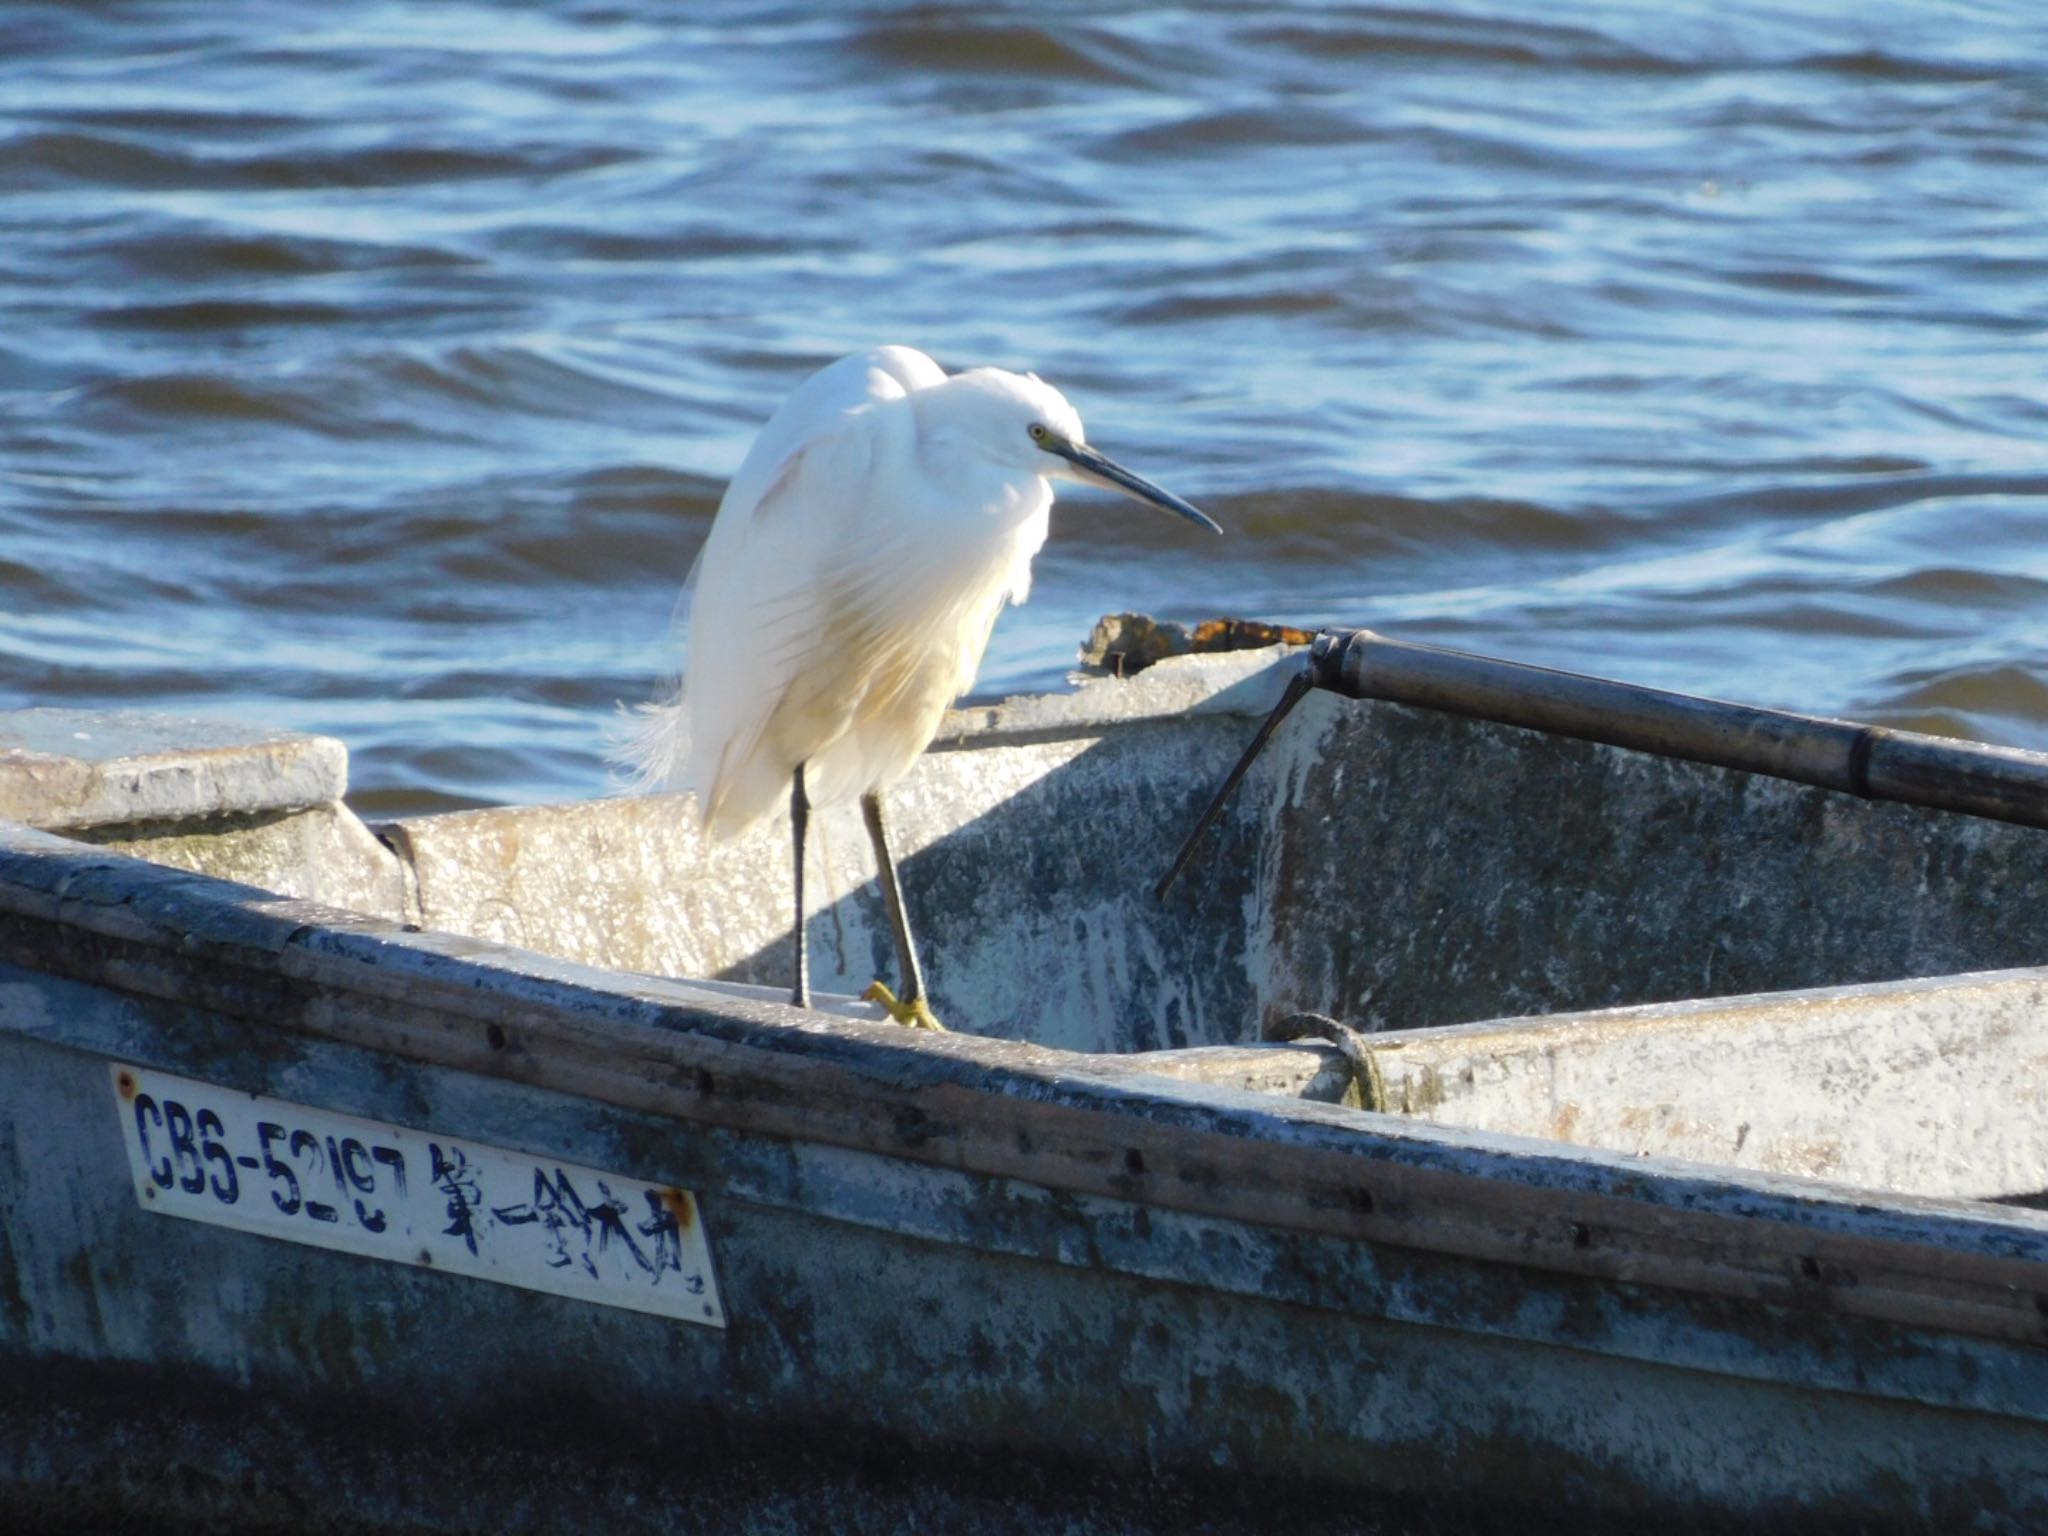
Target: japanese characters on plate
[362,1186]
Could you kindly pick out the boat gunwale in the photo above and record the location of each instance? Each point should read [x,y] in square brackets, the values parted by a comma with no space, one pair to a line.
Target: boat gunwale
[1844,756]
[1058,1119]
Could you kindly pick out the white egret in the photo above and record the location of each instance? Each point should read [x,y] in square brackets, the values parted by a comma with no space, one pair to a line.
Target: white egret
[846,593]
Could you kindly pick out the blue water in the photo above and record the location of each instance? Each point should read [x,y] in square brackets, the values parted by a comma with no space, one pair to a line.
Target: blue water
[376,371]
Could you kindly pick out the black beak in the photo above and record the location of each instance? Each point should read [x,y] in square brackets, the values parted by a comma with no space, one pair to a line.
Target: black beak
[1100,469]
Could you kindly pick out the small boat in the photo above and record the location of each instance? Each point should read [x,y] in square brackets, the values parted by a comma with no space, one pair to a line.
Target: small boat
[1539,1104]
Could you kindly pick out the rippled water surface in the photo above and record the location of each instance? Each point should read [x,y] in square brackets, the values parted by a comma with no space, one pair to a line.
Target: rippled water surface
[376,370]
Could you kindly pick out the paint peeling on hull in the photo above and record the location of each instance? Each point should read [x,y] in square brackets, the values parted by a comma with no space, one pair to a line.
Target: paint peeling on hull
[997,1282]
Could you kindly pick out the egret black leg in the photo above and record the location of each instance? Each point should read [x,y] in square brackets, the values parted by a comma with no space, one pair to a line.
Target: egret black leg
[799,823]
[912,1008]
[892,896]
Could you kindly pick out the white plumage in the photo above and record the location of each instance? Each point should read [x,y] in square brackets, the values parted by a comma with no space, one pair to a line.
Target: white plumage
[857,563]
[846,594]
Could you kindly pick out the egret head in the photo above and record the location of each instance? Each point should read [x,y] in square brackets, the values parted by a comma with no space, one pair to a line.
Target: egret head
[1025,417]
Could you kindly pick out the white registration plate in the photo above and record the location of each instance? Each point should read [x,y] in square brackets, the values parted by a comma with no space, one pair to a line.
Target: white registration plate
[413,1197]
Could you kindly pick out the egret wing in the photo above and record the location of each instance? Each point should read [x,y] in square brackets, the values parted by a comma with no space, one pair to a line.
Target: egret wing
[788,521]
[754,633]
[902,620]
[815,408]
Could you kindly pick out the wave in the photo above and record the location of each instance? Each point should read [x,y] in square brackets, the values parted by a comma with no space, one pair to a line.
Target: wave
[1414,36]
[47,159]
[568,242]
[941,40]
[381,374]
[158,249]
[221,315]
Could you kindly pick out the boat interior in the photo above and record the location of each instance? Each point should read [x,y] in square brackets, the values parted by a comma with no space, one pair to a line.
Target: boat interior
[1527,933]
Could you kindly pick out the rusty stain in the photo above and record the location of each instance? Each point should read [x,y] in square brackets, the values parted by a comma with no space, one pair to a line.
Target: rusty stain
[682,1205]
[124,1083]
[1124,644]
[1246,635]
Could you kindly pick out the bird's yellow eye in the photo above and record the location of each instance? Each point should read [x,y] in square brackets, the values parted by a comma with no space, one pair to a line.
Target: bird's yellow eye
[1038,432]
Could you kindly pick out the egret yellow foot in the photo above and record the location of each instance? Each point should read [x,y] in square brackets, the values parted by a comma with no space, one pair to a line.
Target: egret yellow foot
[915,1014]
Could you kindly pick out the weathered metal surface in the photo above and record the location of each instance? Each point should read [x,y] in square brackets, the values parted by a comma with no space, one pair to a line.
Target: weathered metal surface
[987,1106]
[1933,1087]
[1026,858]
[1053,1288]
[322,854]
[1304,1069]
[1418,870]
[1392,867]
[260,807]
[1867,760]
[1297,1070]
[1030,1330]
[69,768]
[1389,866]
[982,1268]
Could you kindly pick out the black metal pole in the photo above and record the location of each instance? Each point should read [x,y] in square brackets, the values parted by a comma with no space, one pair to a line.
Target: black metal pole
[1873,761]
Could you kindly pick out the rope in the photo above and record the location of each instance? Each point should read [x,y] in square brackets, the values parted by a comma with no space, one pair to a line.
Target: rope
[1367,1085]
